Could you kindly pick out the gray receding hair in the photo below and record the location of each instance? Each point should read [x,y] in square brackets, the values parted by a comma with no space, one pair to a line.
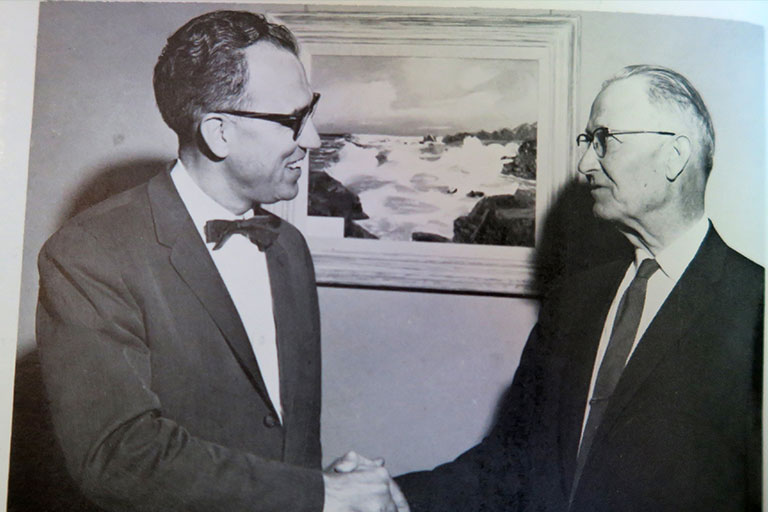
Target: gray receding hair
[665,85]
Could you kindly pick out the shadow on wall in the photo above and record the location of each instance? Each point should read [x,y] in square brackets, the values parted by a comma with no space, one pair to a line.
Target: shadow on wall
[38,480]
[112,180]
[573,239]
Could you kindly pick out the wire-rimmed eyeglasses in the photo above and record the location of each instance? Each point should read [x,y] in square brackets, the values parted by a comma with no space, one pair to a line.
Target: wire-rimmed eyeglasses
[599,137]
[295,121]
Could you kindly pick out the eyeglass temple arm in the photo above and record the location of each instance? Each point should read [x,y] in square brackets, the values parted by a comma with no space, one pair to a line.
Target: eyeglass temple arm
[630,132]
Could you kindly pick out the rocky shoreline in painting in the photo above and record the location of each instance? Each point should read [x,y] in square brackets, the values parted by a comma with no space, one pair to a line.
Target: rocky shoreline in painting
[469,188]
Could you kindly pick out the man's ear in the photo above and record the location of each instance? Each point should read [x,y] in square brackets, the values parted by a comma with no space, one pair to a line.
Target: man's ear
[213,134]
[677,158]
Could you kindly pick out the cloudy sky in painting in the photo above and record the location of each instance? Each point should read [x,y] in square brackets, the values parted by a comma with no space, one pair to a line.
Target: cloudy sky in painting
[420,95]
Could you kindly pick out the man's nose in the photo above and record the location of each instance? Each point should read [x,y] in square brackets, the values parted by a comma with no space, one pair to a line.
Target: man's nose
[309,138]
[588,162]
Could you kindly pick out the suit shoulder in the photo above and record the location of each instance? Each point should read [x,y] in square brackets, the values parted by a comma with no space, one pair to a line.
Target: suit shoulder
[291,235]
[103,224]
[288,229]
[739,265]
[743,277]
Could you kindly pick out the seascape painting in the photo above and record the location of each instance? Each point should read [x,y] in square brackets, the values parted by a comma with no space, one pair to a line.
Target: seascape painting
[446,137]
[426,149]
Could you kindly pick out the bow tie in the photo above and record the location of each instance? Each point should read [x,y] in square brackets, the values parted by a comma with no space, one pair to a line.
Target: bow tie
[260,230]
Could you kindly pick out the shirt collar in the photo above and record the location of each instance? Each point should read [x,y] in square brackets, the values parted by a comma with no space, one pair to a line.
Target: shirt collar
[675,258]
[201,206]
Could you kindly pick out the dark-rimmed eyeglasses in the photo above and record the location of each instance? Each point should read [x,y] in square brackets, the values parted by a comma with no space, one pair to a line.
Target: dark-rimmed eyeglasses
[599,137]
[295,121]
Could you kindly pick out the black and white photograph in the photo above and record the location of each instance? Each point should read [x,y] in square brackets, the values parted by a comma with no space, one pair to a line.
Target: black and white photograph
[416,256]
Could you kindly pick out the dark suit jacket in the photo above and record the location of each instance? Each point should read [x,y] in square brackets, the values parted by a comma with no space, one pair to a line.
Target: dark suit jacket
[155,393]
[681,433]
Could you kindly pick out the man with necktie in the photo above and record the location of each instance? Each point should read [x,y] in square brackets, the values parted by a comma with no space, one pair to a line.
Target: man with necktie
[178,323]
[640,386]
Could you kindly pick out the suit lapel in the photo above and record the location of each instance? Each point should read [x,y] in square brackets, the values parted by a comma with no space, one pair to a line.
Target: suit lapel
[583,338]
[193,263]
[283,306]
[688,299]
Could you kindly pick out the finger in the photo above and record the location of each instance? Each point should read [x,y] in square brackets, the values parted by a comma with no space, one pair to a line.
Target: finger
[345,466]
[353,461]
[370,475]
[346,463]
[398,497]
[389,507]
[365,461]
[351,456]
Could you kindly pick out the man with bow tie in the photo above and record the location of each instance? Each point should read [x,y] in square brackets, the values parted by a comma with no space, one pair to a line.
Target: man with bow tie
[639,388]
[178,322]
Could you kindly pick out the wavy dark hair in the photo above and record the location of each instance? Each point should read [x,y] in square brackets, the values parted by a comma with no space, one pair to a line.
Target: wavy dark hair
[202,67]
[666,85]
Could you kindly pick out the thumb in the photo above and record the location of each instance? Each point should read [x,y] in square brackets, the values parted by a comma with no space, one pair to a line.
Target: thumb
[398,498]
[347,463]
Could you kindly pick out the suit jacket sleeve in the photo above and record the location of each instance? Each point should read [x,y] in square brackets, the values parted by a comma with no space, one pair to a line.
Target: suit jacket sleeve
[122,451]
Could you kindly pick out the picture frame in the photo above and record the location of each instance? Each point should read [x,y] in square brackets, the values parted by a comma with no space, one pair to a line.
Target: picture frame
[389,37]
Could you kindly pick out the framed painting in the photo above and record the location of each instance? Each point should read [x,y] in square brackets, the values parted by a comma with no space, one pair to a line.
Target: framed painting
[445,139]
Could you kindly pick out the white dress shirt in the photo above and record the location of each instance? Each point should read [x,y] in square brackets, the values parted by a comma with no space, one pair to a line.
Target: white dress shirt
[672,260]
[243,268]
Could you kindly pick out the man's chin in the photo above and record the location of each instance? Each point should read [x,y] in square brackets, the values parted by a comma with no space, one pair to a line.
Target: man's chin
[602,212]
[288,192]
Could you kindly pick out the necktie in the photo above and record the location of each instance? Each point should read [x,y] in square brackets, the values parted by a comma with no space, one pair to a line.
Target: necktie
[619,345]
[260,230]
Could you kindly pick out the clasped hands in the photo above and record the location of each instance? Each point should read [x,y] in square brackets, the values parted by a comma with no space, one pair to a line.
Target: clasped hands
[354,483]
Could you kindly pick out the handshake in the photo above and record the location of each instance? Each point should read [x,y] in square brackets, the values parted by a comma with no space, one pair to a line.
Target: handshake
[354,483]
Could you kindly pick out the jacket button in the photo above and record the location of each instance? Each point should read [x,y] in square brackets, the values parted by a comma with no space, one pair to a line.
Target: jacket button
[270,421]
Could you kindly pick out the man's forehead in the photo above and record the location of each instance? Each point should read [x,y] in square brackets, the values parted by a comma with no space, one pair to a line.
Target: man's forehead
[624,104]
[276,77]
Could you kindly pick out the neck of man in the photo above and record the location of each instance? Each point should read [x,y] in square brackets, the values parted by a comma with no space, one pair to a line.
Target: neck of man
[660,228]
[207,174]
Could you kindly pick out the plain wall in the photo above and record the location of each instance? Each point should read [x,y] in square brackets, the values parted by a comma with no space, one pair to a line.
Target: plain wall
[412,376]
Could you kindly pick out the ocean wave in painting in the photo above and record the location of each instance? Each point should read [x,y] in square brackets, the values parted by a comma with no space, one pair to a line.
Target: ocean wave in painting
[411,185]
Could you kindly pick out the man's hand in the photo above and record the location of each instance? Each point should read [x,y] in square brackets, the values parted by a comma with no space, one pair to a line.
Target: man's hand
[355,484]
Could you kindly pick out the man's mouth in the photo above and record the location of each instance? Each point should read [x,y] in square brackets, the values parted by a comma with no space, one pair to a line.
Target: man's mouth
[592,183]
[295,166]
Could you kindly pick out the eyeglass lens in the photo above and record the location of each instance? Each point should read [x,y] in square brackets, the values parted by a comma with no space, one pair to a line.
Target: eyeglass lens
[599,142]
[301,122]
[596,139]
